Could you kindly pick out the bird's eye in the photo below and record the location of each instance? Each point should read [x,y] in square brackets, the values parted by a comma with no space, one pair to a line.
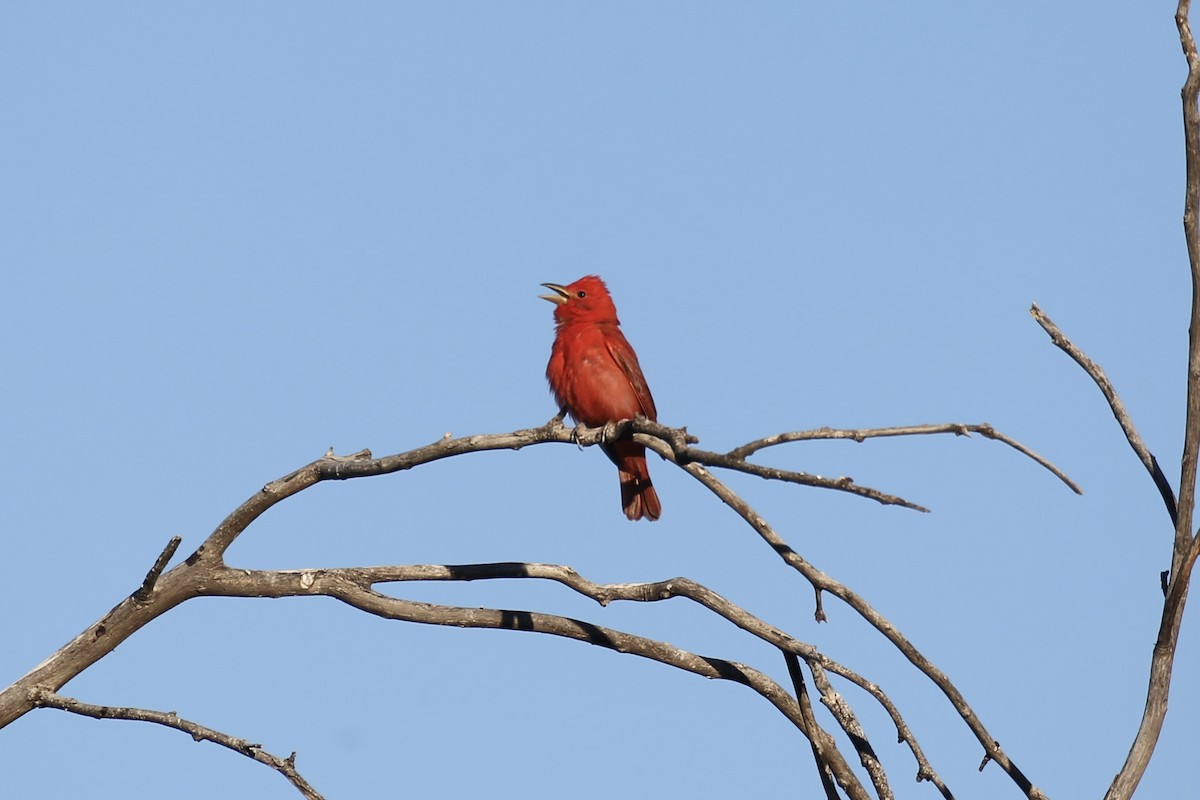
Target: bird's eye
[581,293]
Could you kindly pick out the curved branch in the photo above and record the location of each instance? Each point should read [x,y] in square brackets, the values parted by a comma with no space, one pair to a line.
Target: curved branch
[652,592]
[1096,373]
[862,434]
[822,582]
[204,573]
[162,591]
[286,767]
[354,588]
[362,464]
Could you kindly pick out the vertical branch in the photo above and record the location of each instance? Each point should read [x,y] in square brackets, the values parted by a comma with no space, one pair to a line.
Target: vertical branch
[1191,232]
[1183,553]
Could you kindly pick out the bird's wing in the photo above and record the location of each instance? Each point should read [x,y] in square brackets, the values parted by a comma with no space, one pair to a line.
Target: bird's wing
[622,353]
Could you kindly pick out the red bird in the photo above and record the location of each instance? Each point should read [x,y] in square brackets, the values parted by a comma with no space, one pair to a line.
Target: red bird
[595,375]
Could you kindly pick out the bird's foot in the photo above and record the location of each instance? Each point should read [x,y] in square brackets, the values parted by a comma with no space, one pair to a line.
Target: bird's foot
[609,431]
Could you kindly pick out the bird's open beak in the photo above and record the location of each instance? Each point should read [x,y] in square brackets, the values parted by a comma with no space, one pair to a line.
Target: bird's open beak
[560,294]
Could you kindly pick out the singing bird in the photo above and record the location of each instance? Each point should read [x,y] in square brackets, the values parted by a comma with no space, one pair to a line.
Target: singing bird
[595,375]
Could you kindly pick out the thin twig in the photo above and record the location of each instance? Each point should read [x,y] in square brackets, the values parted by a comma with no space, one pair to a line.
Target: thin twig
[843,484]
[862,434]
[284,766]
[1096,373]
[143,593]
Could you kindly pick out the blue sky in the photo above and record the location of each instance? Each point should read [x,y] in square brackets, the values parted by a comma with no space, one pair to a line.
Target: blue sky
[235,235]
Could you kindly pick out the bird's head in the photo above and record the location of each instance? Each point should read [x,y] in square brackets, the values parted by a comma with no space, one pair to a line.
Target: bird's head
[585,299]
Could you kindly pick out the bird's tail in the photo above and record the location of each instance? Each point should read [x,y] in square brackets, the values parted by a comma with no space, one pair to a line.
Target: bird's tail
[638,498]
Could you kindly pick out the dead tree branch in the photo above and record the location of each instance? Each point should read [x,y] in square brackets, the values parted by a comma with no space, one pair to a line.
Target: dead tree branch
[604,594]
[204,573]
[846,719]
[862,434]
[286,767]
[824,583]
[819,745]
[355,587]
[1186,544]
[1096,373]
[164,558]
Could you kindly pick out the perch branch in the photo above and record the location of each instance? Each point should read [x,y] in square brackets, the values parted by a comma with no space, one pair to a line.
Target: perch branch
[362,464]
[178,584]
[286,767]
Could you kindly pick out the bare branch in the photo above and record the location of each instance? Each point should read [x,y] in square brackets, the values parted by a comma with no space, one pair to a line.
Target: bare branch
[817,742]
[1191,232]
[862,434]
[647,592]
[1186,545]
[354,587]
[1096,373]
[846,718]
[823,582]
[182,582]
[925,772]
[286,767]
[843,484]
[205,574]
[282,583]
[359,465]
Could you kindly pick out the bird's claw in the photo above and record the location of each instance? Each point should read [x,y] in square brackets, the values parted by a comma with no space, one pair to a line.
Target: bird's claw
[609,431]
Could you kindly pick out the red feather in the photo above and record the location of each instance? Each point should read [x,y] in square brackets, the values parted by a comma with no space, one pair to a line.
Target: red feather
[594,373]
